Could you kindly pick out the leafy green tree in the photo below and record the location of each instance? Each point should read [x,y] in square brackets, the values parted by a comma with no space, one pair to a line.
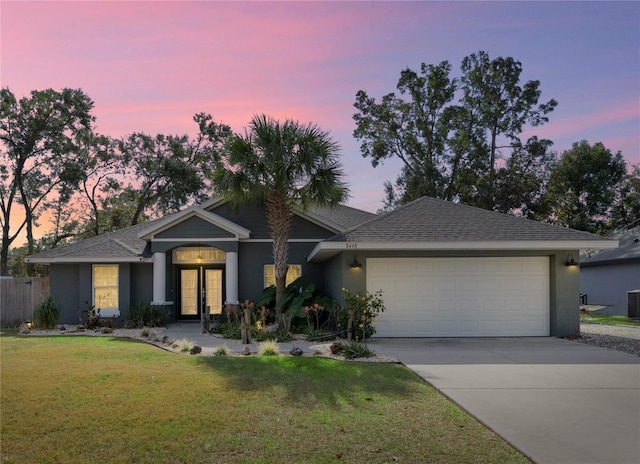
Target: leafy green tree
[17,265]
[413,130]
[501,108]
[283,166]
[454,150]
[171,171]
[116,211]
[522,181]
[37,161]
[582,188]
[626,207]
[102,170]
[140,177]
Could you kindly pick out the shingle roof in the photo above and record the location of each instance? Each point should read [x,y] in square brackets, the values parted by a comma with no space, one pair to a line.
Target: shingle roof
[628,250]
[344,216]
[431,220]
[421,221]
[123,243]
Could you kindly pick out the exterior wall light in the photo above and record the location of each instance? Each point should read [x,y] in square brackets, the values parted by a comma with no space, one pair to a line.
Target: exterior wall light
[570,261]
[355,264]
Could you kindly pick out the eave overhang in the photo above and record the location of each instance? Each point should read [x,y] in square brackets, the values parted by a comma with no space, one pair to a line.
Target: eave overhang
[89,259]
[326,250]
[610,262]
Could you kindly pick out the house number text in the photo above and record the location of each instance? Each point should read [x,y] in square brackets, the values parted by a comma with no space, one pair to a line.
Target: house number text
[352,246]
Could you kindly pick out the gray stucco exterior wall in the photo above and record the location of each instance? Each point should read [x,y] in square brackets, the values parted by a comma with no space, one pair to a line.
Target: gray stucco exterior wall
[563,286]
[608,284]
[253,256]
[141,283]
[64,290]
[565,295]
[71,287]
[194,227]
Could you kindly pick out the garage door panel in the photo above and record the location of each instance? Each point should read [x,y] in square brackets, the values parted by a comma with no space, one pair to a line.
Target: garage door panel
[440,283]
[461,296]
[445,267]
[423,266]
[468,306]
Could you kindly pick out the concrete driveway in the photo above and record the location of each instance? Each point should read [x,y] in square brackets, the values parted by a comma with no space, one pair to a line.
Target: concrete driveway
[555,400]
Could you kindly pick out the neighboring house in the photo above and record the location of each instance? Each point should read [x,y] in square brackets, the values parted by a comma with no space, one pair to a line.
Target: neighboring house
[607,275]
[445,269]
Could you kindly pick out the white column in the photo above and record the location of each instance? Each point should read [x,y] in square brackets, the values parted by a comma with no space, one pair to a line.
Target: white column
[159,277]
[231,271]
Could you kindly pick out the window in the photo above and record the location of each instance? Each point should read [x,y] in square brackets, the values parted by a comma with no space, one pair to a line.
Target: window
[198,255]
[105,289]
[295,271]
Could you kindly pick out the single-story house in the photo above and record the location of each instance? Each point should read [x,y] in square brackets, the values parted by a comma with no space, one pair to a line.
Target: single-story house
[446,270]
[607,276]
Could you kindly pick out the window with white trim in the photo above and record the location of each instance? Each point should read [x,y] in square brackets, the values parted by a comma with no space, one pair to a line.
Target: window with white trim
[105,289]
[295,271]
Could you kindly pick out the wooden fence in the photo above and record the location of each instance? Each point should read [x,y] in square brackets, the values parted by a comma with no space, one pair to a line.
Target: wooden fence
[19,297]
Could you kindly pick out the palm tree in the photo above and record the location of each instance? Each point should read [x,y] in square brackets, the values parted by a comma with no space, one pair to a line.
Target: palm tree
[282,166]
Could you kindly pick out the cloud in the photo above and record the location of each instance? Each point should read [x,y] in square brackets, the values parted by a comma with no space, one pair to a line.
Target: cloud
[601,125]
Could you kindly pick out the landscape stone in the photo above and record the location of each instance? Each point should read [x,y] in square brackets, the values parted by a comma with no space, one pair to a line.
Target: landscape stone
[335,347]
[295,351]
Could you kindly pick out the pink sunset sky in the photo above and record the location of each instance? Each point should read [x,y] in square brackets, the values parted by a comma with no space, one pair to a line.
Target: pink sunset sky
[150,66]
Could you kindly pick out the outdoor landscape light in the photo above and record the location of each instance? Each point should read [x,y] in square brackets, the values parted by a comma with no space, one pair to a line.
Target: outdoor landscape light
[571,261]
[355,264]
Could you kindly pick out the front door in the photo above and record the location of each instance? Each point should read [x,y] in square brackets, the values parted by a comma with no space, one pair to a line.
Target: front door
[199,287]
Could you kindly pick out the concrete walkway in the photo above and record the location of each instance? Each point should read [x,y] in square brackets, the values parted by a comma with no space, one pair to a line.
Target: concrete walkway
[555,400]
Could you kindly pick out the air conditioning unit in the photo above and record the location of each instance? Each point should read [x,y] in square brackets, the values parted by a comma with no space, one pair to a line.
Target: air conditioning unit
[633,304]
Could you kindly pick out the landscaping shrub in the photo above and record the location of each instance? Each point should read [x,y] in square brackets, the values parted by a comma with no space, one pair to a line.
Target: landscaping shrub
[221,350]
[304,308]
[268,348]
[47,314]
[352,350]
[359,313]
[146,315]
[229,329]
[279,335]
[88,317]
[183,345]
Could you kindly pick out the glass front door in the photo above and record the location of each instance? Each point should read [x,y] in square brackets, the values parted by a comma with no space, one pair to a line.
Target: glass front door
[200,287]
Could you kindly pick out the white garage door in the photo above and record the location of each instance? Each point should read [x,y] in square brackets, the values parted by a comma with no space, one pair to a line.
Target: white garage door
[461,297]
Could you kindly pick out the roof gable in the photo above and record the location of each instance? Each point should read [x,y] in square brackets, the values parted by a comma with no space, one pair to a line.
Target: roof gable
[194,227]
[629,250]
[205,222]
[314,223]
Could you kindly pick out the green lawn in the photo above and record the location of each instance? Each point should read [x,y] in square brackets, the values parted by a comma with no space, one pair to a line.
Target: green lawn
[81,399]
[608,320]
